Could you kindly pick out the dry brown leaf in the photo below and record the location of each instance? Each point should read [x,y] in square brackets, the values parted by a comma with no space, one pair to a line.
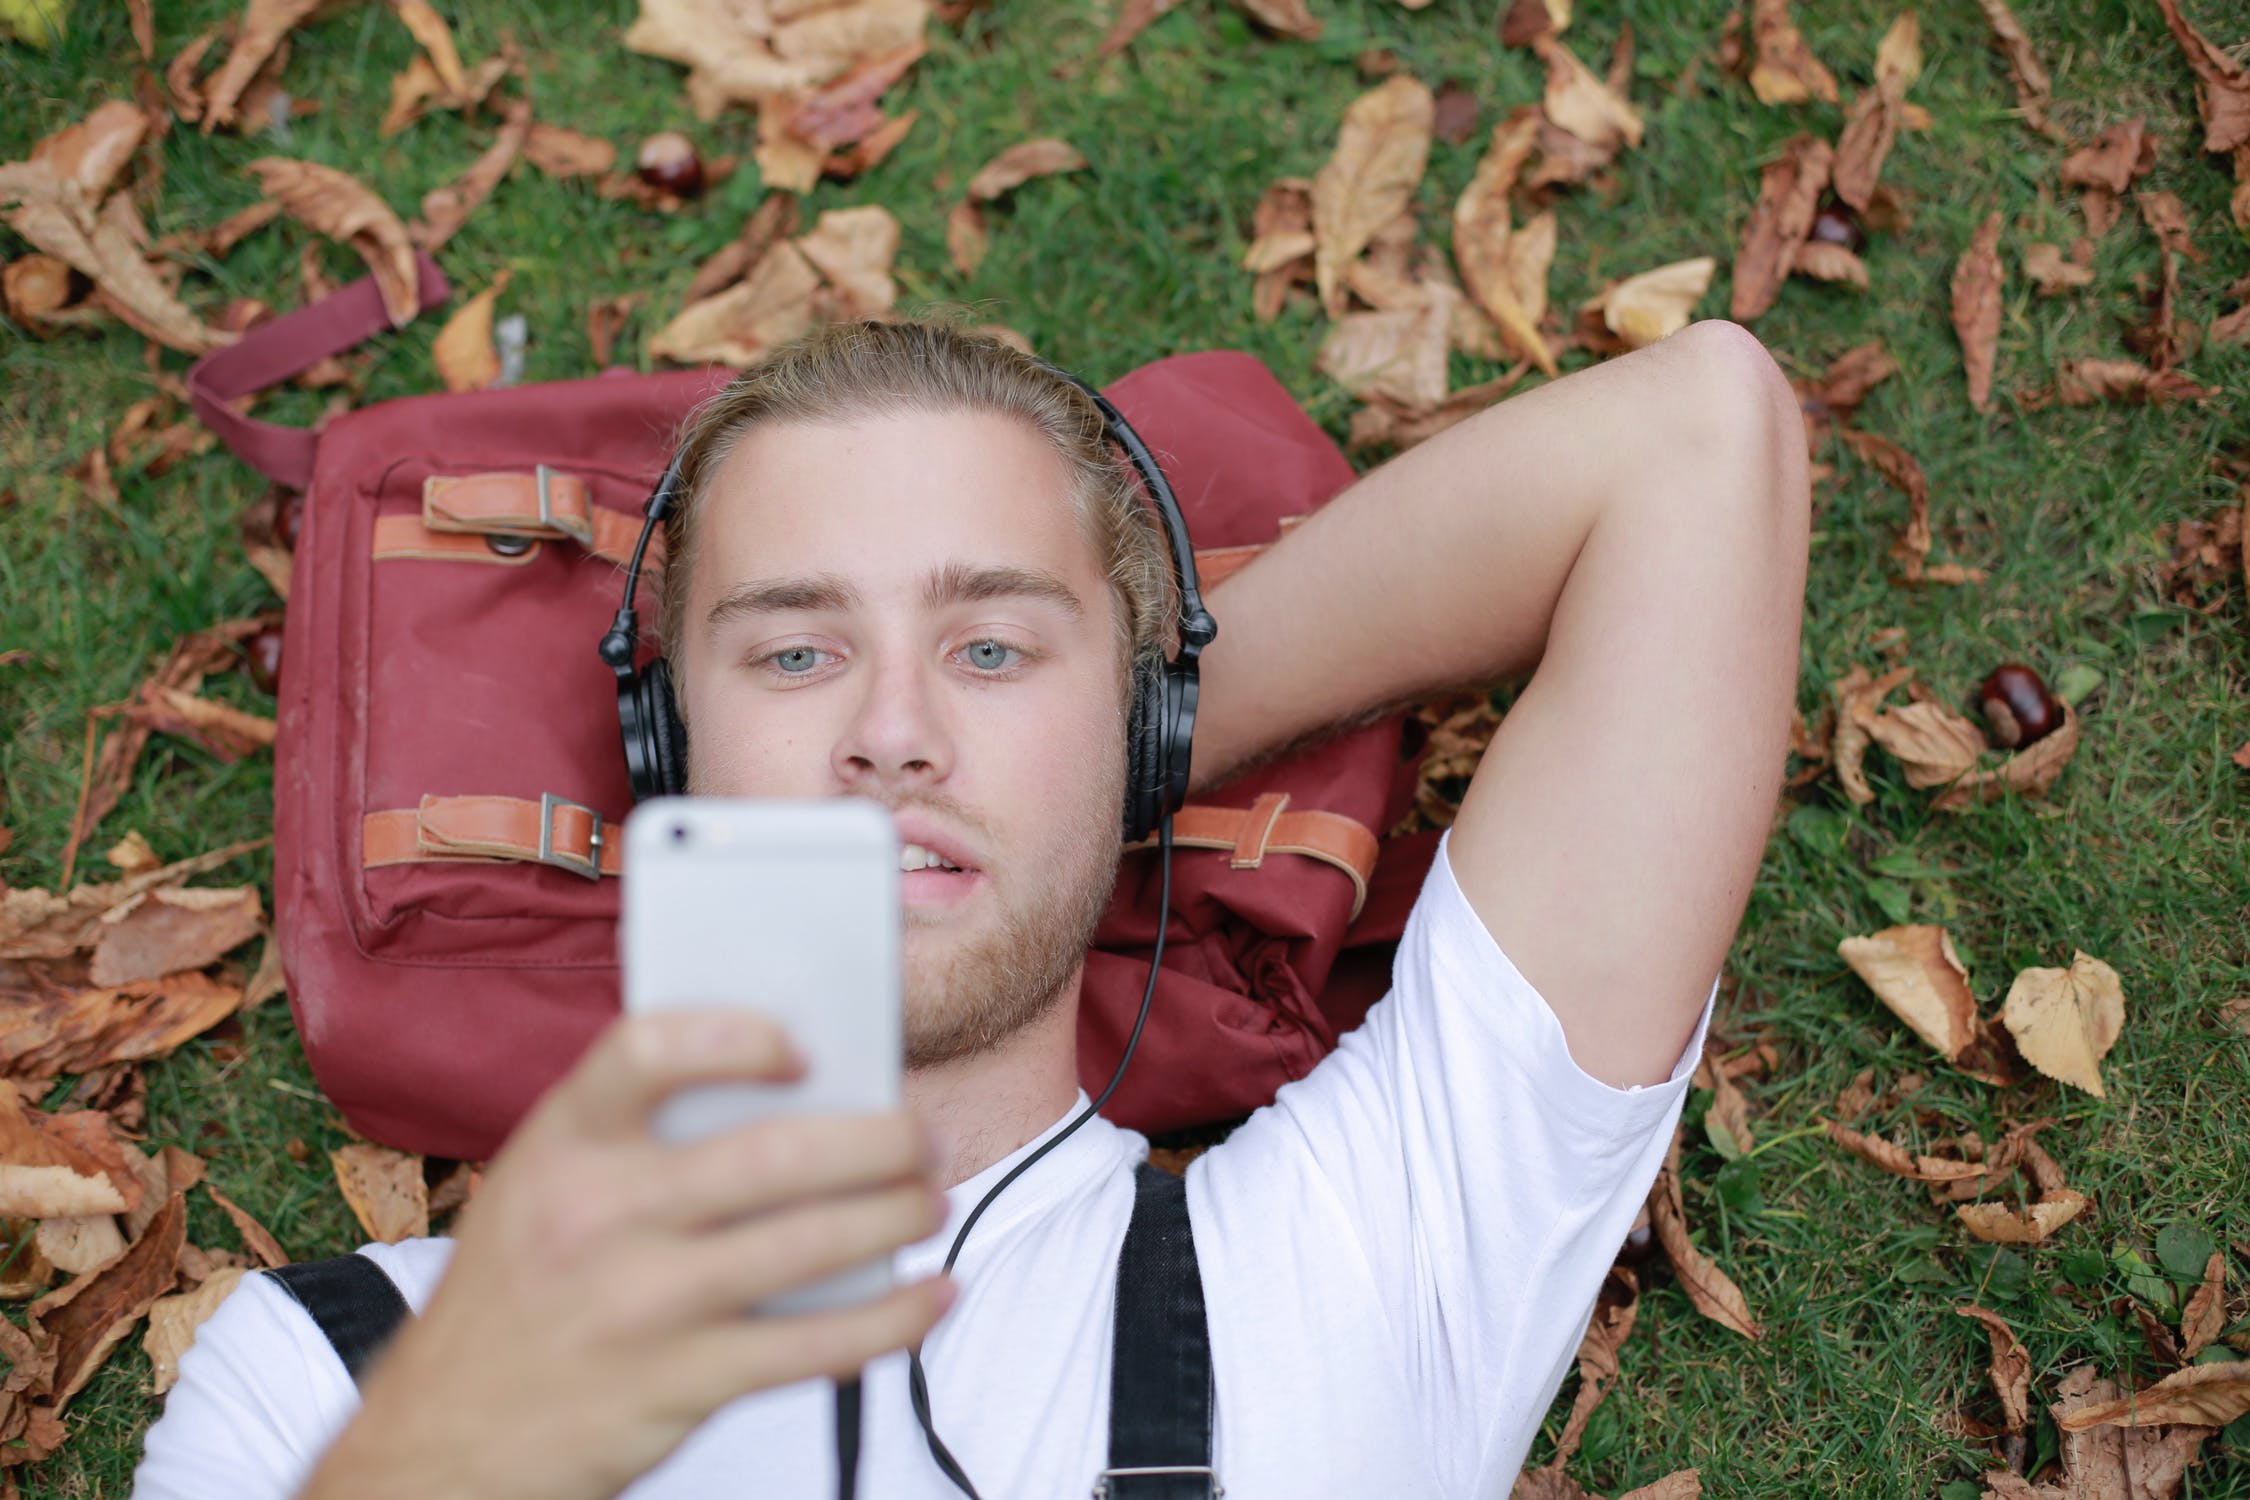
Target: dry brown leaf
[62,1165]
[1369,180]
[93,151]
[1976,309]
[1877,113]
[2205,1315]
[1385,421]
[2166,217]
[868,152]
[2082,382]
[1786,72]
[1789,192]
[1933,744]
[740,325]
[605,319]
[787,162]
[132,854]
[1915,972]
[66,1028]
[79,1245]
[742,54]
[2051,273]
[1483,238]
[1654,304]
[39,924]
[2066,1020]
[853,248]
[1290,18]
[2233,327]
[266,981]
[27,1273]
[1133,17]
[172,928]
[340,206]
[1607,1327]
[2203,1395]
[170,1171]
[264,24]
[56,216]
[1857,697]
[1895,1159]
[446,209]
[87,1317]
[773,219]
[2132,1464]
[2222,84]
[1020,163]
[1824,260]
[2113,159]
[2010,1370]
[172,1322]
[2034,90]
[1525,21]
[845,111]
[1997,1224]
[1582,104]
[1400,355]
[561,152]
[462,351]
[2030,771]
[385,1190]
[1711,1290]
[436,40]
[263,1248]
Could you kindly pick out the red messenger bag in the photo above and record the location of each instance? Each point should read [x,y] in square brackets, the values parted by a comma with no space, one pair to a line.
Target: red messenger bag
[448,744]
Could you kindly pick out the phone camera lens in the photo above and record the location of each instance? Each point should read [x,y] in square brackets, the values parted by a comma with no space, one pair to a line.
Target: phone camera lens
[679,833]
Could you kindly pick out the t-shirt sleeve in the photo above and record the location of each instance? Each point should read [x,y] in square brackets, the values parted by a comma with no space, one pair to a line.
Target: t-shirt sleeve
[1486,1178]
[260,1396]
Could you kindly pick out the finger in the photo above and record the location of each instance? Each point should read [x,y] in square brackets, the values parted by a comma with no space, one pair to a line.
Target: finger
[730,1272]
[736,1358]
[771,1163]
[640,1059]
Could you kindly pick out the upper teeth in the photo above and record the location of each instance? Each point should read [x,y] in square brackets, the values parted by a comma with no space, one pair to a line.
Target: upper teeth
[915,857]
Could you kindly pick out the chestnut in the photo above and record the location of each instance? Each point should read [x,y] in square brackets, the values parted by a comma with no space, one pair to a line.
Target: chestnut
[2018,710]
[668,162]
[1640,1241]
[1837,224]
[261,654]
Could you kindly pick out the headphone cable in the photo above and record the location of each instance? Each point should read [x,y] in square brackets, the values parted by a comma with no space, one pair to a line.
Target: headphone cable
[918,1385]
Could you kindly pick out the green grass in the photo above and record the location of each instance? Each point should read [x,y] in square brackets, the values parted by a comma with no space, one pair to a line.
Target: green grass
[2142,856]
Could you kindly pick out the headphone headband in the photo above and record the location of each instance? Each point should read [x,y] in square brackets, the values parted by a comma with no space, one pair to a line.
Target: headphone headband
[1161,728]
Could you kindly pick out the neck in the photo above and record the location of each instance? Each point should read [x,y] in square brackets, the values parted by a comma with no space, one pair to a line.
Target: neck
[984,1107]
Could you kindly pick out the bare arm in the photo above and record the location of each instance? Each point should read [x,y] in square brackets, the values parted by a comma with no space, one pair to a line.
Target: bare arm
[1637,532]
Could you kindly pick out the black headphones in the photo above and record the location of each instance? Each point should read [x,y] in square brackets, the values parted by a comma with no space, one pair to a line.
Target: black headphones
[1159,734]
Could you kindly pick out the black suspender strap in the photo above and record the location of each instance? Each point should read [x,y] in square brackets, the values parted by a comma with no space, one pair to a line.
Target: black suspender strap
[1160,1368]
[353,1300]
[1160,1392]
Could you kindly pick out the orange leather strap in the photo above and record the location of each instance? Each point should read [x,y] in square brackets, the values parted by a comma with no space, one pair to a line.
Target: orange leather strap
[1249,834]
[545,502]
[554,830]
[407,537]
[572,836]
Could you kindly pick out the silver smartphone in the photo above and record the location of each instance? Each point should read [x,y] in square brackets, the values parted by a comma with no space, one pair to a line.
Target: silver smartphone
[790,908]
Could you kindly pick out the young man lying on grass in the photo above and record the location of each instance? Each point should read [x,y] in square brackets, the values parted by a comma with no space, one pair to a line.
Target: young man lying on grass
[1398,1255]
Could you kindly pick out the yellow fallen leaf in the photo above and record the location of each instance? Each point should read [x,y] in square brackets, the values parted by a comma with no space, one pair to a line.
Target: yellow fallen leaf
[1657,304]
[1996,1223]
[172,1322]
[1914,971]
[1370,177]
[2066,1020]
[385,1190]
[462,351]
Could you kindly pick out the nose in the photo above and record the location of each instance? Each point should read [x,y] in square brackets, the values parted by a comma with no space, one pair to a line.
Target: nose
[896,734]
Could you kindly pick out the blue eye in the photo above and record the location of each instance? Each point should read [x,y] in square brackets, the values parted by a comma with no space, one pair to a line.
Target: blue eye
[991,656]
[803,653]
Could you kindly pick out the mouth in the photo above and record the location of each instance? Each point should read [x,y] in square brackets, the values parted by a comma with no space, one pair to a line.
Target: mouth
[934,877]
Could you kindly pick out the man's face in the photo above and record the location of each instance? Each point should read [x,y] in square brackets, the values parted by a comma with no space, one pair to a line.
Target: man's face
[904,609]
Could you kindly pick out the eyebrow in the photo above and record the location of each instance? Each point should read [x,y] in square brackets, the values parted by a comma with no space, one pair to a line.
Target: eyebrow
[951,583]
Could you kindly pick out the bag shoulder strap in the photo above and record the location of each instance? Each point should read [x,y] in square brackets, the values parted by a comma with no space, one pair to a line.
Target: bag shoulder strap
[1160,1386]
[354,1301]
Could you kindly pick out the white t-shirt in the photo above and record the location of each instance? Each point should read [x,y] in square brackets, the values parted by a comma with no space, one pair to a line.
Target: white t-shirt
[1398,1257]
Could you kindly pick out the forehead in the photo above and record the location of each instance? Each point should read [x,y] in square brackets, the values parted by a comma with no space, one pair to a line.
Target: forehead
[877,496]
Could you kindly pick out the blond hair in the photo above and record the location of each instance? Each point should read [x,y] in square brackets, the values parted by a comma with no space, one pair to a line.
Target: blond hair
[872,368]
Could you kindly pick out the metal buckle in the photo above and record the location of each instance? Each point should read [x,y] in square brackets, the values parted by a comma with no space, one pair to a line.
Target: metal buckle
[589,864]
[564,526]
[1101,1480]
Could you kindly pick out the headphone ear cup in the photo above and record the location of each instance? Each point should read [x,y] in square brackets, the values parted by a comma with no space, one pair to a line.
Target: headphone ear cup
[667,735]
